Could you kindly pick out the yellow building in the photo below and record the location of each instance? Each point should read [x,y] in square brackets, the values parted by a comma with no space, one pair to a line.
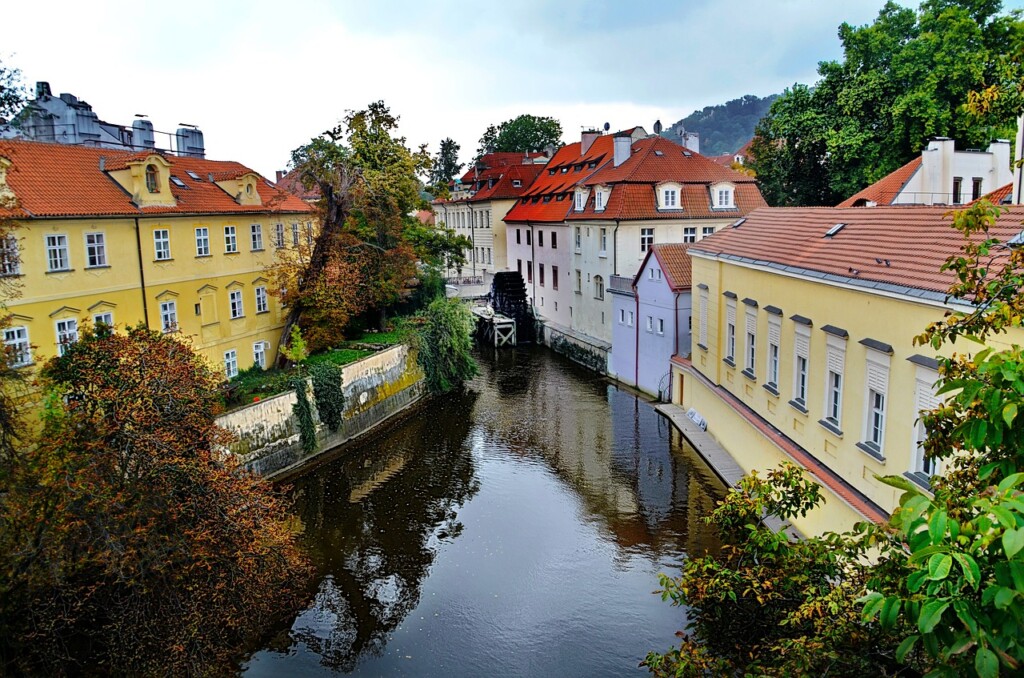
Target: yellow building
[179,243]
[803,328]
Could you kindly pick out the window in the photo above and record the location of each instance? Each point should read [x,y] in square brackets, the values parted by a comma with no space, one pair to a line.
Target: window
[528,233]
[622,316]
[230,240]
[57,253]
[235,302]
[650,323]
[259,354]
[540,273]
[261,300]
[646,239]
[598,287]
[169,316]
[519,239]
[519,266]
[629,322]
[604,242]
[540,238]
[67,334]
[751,326]
[579,282]
[706,231]
[877,382]
[835,359]
[256,236]
[690,234]
[975,188]
[162,244]
[554,240]
[554,277]
[957,188]
[702,329]
[661,326]
[670,198]
[579,238]
[730,331]
[152,179]
[202,242]
[517,183]
[489,259]
[801,353]
[529,271]
[581,200]
[95,250]
[774,339]
[278,236]
[295,235]
[10,260]
[309,233]
[103,319]
[925,400]
[724,198]
[19,350]
[231,364]
[599,201]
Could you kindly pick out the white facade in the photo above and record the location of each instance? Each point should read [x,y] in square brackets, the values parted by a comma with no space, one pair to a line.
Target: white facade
[541,253]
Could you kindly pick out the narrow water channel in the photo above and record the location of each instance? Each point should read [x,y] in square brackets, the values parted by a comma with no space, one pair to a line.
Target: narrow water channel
[516,529]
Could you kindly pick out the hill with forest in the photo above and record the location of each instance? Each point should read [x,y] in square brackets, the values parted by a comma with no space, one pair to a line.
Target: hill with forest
[726,127]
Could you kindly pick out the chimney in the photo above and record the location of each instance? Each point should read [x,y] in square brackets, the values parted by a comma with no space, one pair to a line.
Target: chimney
[623,144]
[691,141]
[588,139]
[42,89]
[280,175]
[937,173]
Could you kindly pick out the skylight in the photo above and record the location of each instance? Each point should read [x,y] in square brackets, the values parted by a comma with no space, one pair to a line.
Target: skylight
[835,229]
[738,222]
[177,182]
[1017,240]
[193,175]
[687,154]
[659,153]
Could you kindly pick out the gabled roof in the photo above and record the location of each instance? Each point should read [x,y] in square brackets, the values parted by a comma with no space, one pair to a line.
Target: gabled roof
[553,182]
[59,180]
[885,190]
[495,160]
[504,182]
[674,261]
[657,159]
[898,249]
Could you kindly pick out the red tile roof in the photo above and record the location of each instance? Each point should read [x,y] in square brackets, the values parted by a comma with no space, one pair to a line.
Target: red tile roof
[675,262]
[657,159]
[1003,194]
[292,183]
[57,180]
[504,182]
[554,182]
[901,246]
[885,190]
[496,160]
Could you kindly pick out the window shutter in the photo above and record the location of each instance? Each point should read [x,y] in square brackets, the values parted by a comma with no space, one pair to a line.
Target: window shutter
[730,313]
[802,344]
[774,331]
[878,378]
[704,317]
[834,360]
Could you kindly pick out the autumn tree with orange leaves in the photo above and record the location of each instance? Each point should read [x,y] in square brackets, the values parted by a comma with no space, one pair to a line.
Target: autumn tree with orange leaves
[129,542]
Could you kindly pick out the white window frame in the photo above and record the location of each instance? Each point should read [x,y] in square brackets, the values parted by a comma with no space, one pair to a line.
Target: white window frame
[57,255]
[774,351]
[629,323]
[95,249]
[705,231]
[10,256]
[169,316]
[162,244]
[801,351]
[599,201]
[202,241]
[579,238]
[925,400]
[603,252]
[259,353]
[876,383]
[19,348]
[231,363]
[235,304]
[262,300]
[730,330]
[650,323]
[279,235]
[724,198]
[646,239]
[230,240]
[599,287]
[750,333]
[66,331]
[689,234]
[580,201]
[104,318]
[295,234]
[661,326]
[835,363]
[256,237]
[670,198]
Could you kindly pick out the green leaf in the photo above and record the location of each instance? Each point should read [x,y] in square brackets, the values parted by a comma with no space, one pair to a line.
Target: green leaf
[931,615]
[970,567]
[890,611]
[899,482]
[1009,413]
[937,526]
[965,612]
[1011,481]
[1017,574]
[986,663]
[1013,541]
[1006,518]
[938,566]
[872,603]
[1004,597]
[905,647]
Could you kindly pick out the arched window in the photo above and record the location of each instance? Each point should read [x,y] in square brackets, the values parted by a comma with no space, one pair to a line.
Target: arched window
[152,179]
[598,287]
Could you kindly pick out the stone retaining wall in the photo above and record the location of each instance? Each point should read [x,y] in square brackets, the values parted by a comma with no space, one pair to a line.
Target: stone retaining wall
[376,388]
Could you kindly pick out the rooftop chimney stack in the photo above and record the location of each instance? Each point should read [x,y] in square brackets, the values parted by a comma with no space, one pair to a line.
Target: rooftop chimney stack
[691,141]
[623,146]
[279,174]
[42,89]
[588,139]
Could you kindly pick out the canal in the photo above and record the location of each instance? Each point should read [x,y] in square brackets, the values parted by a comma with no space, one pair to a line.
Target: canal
[515,529]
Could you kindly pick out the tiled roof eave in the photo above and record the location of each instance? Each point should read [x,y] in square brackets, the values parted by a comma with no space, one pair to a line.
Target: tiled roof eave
[913,293]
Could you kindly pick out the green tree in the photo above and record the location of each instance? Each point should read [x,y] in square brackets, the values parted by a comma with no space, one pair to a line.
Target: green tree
[446,165]
[12,91]
[522,134]
[130,542]
[445,345]
[724,128]
[904,78]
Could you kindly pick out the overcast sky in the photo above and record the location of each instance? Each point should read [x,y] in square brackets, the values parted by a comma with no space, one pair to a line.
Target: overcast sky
[261,78]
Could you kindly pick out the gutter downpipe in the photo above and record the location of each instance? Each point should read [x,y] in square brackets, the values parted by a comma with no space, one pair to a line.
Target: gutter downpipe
[675,343]
[615,248]
[636,342]
[142,273]
[532,266]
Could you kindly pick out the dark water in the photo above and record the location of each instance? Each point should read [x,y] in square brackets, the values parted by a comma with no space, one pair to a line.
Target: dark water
[514,530]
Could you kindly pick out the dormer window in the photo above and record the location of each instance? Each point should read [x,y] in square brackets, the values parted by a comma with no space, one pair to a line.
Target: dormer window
[581,200]
[152,179]
[670,198]
[723,196]
[517,183]
[599,200]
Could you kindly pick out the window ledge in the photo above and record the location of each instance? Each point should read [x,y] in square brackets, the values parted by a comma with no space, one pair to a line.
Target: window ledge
[749,374]
[920,479]
[729,362]
[12,275]
[90,268]
[798,406]
[257,249]
[262,312]
[771,388]
[232,253]
[830,427]
[61,270]
[238,317]
[203,256]
[872,451]
[702,347]
[163,261]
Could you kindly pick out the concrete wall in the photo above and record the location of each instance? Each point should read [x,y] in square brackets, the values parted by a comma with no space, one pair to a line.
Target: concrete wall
[376,388]
[622,364]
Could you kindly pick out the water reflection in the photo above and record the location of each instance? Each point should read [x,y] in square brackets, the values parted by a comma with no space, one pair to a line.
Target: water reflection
[515,529]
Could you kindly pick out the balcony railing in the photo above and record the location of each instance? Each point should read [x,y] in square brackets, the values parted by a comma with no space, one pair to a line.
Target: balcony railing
[620,283]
